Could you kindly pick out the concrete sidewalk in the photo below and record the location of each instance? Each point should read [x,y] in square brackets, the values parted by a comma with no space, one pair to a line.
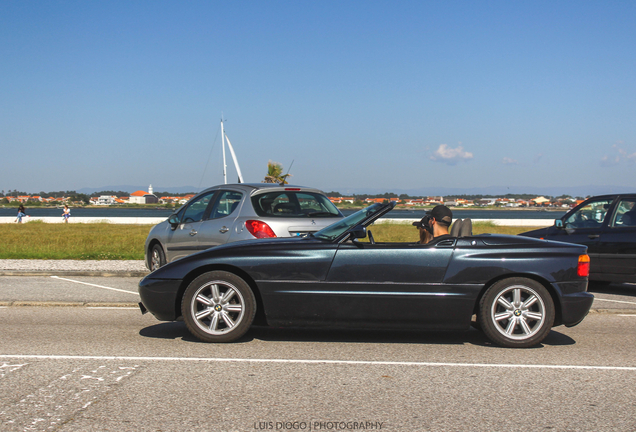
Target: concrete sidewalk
[128,268]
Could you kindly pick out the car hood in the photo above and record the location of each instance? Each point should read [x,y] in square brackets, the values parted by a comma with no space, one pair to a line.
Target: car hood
[177,268]
[254,242]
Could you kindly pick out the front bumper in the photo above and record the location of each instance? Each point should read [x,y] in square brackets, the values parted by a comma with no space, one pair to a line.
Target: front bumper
[159,297]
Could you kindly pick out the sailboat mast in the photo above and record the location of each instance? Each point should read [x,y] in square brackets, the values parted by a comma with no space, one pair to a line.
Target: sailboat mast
[223,147]
[236,165]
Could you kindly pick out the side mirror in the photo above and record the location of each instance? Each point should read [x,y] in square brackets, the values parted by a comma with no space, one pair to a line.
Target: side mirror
[558,223]
[359,232]
[173,220]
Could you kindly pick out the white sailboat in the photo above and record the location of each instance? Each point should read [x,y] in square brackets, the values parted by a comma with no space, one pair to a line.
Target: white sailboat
[236,164]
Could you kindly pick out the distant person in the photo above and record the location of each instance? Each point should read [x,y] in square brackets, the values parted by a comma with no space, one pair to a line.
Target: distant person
[66,214]
[21,213]
[435,224]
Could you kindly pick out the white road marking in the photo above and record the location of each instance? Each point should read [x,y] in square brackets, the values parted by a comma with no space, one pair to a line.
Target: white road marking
[97,286]
[629,315]
[615,301]
[302,361]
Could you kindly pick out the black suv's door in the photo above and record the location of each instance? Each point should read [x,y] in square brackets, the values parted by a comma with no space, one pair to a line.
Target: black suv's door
[617,244]
[585,226]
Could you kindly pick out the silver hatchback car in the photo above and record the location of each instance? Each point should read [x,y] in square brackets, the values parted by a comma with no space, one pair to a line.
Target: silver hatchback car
[232,212]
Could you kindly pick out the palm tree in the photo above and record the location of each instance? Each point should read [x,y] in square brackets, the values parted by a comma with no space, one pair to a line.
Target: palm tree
[275,173]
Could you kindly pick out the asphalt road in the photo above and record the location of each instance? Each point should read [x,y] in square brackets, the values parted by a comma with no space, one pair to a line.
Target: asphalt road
[122,291]
[98,367]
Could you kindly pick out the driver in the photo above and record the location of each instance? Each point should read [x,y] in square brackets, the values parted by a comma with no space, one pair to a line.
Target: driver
[434,225]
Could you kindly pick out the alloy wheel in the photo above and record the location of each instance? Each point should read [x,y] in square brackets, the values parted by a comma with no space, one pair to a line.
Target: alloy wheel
[518,312]
[217,307]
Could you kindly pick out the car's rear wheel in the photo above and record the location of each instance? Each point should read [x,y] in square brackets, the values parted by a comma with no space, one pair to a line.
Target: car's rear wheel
[516,312]
[218,306]
[157,257]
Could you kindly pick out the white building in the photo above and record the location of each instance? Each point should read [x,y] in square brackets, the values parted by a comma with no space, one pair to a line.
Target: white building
[143,197]
[106,200]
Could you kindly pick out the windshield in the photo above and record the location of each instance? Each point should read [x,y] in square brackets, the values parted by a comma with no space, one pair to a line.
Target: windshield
[333,231]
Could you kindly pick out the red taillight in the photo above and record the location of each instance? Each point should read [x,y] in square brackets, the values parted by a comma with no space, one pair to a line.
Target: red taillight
[292,189]
[583,268]
[259,229]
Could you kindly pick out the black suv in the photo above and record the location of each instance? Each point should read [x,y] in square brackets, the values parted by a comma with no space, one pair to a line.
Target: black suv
[606,224]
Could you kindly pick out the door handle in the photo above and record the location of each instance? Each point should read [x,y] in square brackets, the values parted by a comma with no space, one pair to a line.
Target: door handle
[193,232]
[593,236]
[224,229]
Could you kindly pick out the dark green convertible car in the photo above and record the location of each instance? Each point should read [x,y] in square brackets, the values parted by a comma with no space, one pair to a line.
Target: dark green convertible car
[517,287]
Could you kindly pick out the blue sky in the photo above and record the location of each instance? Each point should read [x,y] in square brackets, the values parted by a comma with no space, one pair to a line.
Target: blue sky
[381,95]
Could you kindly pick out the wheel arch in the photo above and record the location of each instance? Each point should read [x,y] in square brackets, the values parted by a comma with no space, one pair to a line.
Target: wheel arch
[152,244]
[259,319]
[547,285]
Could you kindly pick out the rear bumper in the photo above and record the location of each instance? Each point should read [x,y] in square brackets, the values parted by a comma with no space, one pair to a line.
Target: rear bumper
[575,307]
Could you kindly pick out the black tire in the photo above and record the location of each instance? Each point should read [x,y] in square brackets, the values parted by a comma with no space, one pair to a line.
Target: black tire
[218,306]
[516,313]
[156,257]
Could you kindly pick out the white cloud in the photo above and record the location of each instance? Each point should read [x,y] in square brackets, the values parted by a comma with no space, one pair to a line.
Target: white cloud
[606,161]
[509,161]
[451,156]
[613,160]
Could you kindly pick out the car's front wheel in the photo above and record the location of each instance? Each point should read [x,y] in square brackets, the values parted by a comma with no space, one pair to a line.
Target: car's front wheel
[157,257]
[218,306]
[516,312]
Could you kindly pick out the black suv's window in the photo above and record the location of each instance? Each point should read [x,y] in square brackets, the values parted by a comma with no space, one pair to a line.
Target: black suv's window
[591,215]
[625,214]
[293,205]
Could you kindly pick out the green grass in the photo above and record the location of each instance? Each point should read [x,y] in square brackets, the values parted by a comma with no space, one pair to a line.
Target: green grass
[97,241]
[104,241]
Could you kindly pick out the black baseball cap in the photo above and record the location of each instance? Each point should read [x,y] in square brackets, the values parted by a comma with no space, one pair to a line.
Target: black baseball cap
[442,214]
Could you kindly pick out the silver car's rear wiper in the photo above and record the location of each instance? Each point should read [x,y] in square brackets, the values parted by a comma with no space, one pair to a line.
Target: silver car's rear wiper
[320,214]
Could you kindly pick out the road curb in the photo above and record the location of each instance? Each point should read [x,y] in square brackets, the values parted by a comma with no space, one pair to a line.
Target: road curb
[93,273]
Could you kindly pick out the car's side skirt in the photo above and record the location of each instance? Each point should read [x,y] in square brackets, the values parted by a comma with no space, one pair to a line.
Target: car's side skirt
[368,304]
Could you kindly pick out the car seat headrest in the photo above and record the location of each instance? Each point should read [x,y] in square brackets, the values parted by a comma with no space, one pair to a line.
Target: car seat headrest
[466,229]
[454,231]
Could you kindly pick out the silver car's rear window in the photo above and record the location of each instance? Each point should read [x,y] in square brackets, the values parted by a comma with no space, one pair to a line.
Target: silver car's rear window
[287,204]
